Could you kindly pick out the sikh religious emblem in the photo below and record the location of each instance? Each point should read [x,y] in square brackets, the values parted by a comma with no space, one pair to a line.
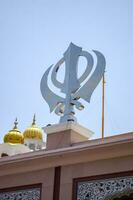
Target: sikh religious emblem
[71,86]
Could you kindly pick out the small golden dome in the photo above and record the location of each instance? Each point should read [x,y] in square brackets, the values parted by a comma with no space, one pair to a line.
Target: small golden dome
[33,132]
[14,136]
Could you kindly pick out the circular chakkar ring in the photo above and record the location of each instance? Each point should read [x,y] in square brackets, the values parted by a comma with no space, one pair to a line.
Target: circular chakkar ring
[87,71]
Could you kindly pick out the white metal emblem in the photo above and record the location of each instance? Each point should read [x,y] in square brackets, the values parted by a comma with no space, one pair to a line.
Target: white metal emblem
[71,86]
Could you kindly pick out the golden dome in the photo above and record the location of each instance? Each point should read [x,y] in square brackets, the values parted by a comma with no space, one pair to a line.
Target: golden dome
[14,136]
[33,132]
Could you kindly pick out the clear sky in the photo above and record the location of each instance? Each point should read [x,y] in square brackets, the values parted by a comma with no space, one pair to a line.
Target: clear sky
[35,33]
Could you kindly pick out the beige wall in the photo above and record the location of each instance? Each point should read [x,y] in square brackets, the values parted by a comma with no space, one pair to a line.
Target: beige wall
[91,169]
[46,177]
[96,157]
[68,172]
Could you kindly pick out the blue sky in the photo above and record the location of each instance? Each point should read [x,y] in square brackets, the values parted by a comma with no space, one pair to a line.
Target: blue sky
[35,33]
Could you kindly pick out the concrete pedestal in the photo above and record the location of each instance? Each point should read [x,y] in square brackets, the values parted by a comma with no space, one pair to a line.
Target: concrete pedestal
[65,134]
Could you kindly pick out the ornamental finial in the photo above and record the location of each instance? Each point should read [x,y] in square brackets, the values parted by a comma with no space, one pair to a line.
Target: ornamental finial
[15,123]
[34,120]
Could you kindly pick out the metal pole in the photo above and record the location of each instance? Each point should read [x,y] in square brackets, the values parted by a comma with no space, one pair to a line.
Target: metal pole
[103,83]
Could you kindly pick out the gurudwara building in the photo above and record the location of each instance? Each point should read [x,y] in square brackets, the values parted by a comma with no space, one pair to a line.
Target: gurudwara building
[70,165]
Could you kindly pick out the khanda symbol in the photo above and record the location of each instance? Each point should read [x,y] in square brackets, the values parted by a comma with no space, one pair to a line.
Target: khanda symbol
[71,86]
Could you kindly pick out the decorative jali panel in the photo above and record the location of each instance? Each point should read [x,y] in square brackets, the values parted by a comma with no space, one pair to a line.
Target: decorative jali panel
[103,189]
[22,194]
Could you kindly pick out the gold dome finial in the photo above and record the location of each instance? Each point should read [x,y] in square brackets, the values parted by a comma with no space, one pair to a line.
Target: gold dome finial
[33,132]
[14,136]
[34,120]
[15,123]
